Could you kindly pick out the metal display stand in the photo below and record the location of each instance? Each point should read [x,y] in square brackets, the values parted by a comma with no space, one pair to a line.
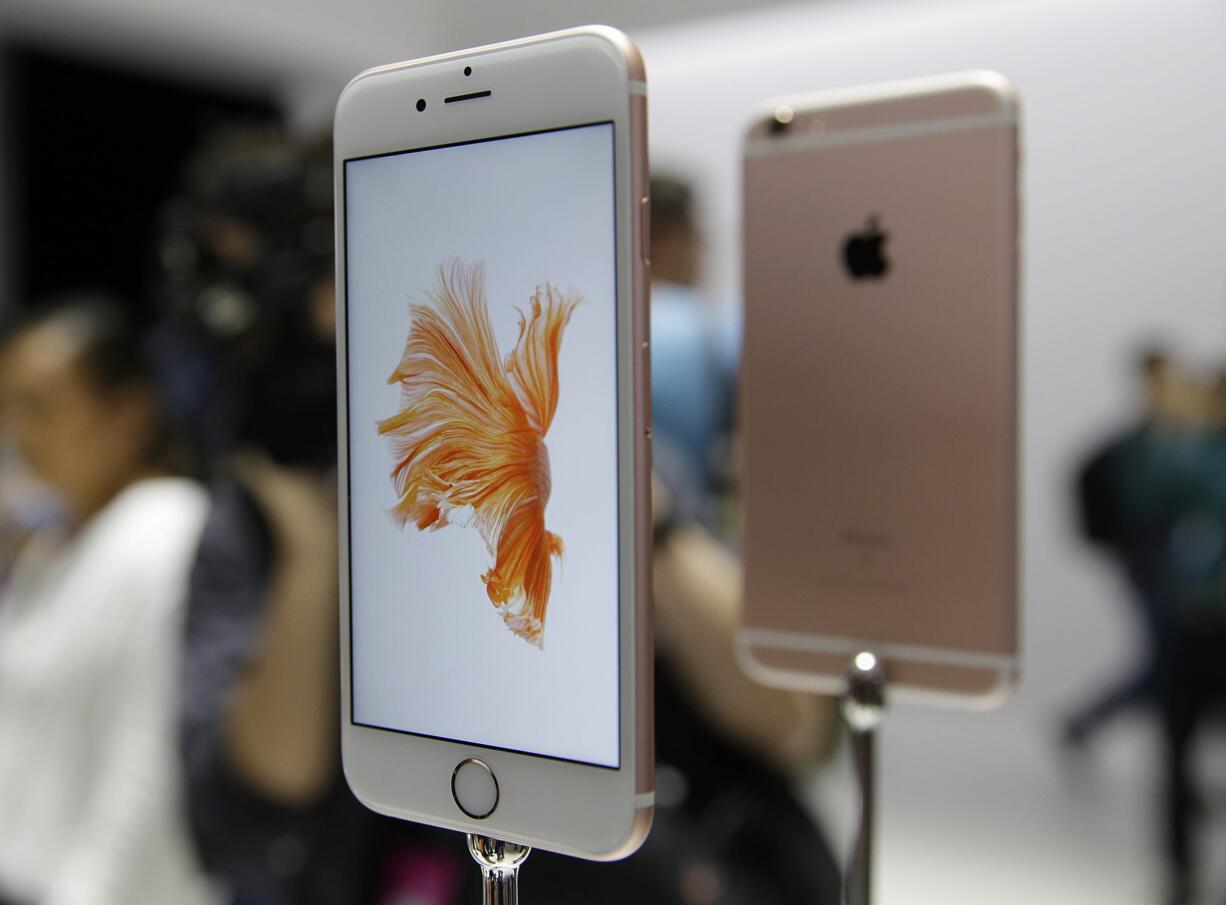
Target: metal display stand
[500,863]
[863,707]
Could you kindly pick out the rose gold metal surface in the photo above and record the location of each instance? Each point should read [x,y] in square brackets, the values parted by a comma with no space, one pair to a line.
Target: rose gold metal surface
[880,467]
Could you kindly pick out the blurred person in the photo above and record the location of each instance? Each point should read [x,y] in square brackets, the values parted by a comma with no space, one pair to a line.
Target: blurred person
[1126,465]
[1155,498]
[90,623]
[692,361]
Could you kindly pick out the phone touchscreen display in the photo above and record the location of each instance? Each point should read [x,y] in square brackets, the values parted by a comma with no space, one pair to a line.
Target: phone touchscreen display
[482,443]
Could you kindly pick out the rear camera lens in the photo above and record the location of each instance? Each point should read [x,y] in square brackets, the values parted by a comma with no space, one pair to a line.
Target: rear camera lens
[421,104]
[468,70]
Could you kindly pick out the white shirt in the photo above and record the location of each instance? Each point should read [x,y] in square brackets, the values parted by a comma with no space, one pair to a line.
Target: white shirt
[91,810]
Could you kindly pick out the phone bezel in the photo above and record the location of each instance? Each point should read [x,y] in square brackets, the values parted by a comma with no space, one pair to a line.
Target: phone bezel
[555,81]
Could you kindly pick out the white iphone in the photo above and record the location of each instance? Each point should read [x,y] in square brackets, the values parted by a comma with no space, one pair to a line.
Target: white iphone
[494,472]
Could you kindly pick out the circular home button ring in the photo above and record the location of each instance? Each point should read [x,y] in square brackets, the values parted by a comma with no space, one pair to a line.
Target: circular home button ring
[474,788]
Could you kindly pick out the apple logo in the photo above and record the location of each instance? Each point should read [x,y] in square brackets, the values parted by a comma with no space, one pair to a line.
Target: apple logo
[863,252]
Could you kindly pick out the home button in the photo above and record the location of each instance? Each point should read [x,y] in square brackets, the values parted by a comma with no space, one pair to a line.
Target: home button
[474,788]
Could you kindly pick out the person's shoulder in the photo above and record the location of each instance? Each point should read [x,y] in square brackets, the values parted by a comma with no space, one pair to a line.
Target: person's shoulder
[155,499]
[1118,445]
[235,521]
[236,548]
[136,552]
[156,515]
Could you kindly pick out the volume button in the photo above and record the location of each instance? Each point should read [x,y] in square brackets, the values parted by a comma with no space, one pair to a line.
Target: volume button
[645,229]
[645,371]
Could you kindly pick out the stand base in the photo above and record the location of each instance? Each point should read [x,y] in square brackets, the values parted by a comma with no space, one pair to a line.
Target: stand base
[500,863]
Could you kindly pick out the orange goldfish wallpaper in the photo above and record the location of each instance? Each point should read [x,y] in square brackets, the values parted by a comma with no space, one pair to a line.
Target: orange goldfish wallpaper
[470,433]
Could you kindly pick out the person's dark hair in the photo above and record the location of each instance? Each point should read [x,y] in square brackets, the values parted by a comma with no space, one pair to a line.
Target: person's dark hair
[672,203]
[108,344]
[1150,359]
[112,352]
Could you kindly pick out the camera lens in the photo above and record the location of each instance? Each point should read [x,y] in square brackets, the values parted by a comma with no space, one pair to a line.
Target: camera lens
[421,104]
[782,119]
[468,70]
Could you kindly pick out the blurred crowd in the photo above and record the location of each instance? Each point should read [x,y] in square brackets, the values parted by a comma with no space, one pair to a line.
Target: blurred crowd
[168,630]
[1153,499]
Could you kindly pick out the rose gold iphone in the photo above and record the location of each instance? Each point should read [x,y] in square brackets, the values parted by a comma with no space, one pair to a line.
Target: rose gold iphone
[880,387]
[492,334]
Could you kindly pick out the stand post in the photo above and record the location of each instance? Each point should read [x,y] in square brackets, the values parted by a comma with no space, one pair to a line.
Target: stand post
[500,863]
[863,707]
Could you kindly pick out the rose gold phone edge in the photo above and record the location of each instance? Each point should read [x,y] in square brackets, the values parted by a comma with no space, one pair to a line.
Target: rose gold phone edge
[979,682]
[635,359]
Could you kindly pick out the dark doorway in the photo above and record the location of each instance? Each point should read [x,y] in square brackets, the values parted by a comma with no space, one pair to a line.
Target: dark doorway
[93,152]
